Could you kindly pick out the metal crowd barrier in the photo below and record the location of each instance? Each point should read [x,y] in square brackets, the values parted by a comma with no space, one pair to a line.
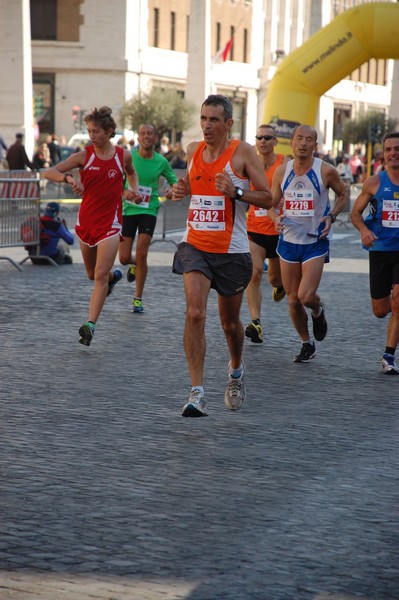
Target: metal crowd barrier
[172,215]
[20,213]
[14,184]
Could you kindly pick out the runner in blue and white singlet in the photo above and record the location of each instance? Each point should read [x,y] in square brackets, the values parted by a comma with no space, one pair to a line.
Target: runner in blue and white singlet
[305,204]
[301,187]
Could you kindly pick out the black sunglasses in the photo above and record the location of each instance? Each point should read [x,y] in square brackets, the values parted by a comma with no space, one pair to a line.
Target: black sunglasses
[267,138]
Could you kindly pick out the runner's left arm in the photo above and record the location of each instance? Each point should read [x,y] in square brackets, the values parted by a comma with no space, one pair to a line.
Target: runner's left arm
[132,193]
[170,177]
[369,188]
[61,173]
[277,196]
[333,180]
[246,163]
[181,188]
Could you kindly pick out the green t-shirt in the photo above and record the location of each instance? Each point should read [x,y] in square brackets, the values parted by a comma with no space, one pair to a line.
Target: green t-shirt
[149,170]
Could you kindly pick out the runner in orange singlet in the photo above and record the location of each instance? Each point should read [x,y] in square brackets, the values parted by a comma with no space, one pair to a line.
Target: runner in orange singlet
[263,237]
[214,252]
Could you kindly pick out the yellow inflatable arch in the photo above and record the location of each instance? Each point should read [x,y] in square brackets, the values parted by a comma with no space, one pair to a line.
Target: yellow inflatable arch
[351,39]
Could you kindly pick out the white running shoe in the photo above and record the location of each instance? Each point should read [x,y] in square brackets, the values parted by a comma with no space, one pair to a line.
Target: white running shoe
[196,405]
[235,391]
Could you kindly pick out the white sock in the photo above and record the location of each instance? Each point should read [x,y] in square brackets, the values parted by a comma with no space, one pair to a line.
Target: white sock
[199,388]
[236,373]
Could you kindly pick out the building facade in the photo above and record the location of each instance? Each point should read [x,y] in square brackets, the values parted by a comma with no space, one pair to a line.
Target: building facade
[62,57]
[290,23]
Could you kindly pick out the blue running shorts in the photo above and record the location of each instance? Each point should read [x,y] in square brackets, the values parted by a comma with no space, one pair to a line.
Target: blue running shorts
[301,253]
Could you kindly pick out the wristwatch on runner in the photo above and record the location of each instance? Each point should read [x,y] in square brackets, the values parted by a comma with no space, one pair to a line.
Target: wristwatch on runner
[238,193]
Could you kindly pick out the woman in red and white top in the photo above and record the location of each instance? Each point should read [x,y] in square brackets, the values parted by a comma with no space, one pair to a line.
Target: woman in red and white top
[102,166]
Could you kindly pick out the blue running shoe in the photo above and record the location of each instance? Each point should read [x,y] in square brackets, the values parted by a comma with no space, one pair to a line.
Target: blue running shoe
[86,332]
[117,277]
[388,365]
[137,305]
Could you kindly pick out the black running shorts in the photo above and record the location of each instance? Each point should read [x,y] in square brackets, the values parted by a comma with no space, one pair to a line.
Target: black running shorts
[142,222]
[384,272]
[229,273]
[267,242]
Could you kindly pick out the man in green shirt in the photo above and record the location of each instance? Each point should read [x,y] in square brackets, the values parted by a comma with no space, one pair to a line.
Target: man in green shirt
[150,166]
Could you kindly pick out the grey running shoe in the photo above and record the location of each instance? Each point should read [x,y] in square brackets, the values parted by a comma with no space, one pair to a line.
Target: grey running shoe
[388,366]
[86,332]
[235,392]
[254,332]
[308,351]
[320,326]
[196,405]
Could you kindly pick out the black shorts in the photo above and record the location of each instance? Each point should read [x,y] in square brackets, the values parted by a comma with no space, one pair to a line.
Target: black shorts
[143,222]
[384,272]
[229,273]
[268,242]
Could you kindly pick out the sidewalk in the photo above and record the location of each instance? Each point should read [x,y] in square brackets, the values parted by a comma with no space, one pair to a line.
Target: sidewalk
[107,493]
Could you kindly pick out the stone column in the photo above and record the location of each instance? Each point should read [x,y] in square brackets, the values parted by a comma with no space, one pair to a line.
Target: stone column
[394,110]
[199,63]
[16,113]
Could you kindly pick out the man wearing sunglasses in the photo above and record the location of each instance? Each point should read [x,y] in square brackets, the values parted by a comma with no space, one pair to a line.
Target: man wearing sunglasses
[263,237]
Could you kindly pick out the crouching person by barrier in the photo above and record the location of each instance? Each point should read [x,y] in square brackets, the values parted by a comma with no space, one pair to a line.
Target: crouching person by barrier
[55,238]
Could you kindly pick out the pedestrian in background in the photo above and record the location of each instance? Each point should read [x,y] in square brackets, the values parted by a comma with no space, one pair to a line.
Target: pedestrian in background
[17,158]
[344,170]
[164,146]
[178,159]
[41,158]
[54,149]
[3,146]
[356,166]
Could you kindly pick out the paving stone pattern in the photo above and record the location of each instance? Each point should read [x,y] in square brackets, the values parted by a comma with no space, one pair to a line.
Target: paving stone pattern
[108,493]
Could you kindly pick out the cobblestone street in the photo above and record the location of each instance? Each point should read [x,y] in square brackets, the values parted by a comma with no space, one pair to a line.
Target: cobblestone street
[107,493]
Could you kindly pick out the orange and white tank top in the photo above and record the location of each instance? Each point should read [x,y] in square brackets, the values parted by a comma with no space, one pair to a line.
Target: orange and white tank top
[258,221]
[215,223]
